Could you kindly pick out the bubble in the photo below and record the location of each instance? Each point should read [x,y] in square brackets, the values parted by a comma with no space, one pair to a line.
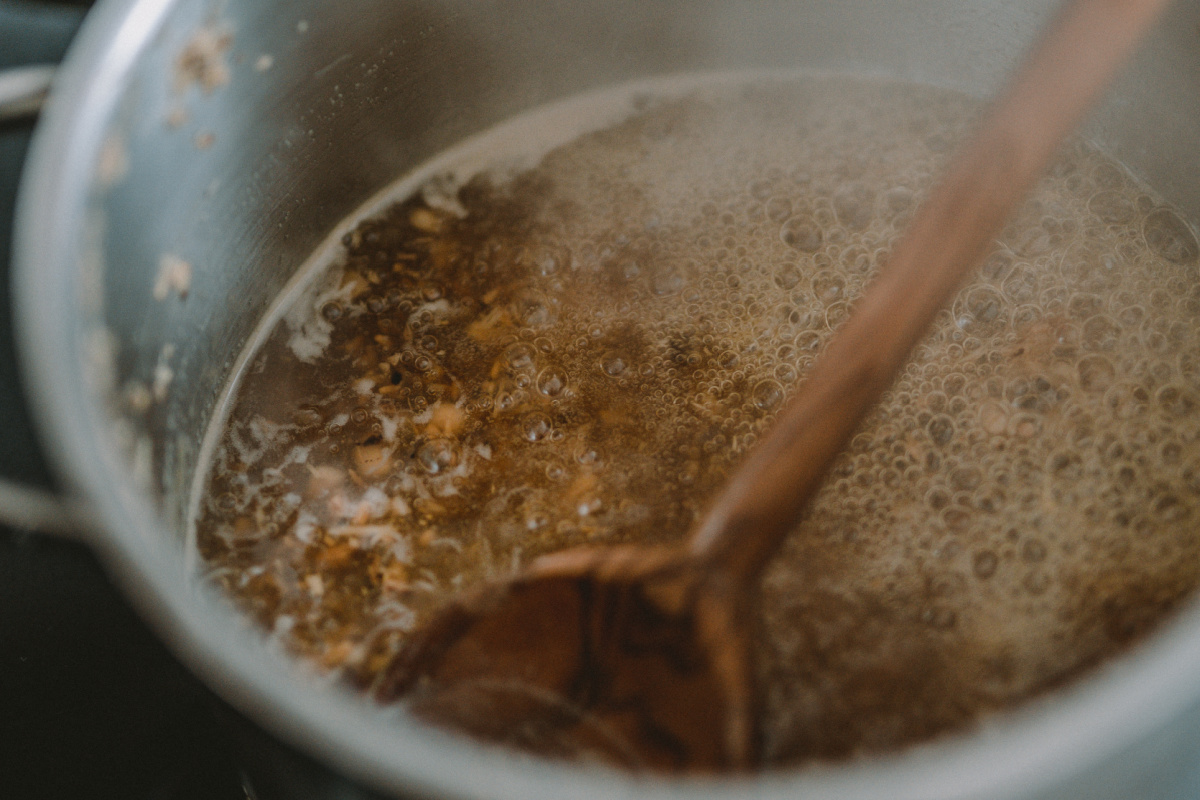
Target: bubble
[1101,333]
[1190,475]
[589,506]
[997,267]
[1021,286]
[853,203]
[965,479]
[981,312]
[828,287]
[534,312]
[1024,316]
[984,564]
[1096,373]
[1125,401]
[801,235]
[667,282]
[1033,551]
[535,427]
[728,359]
[1170,237]
[993,418]
[836,314]
[786,373]
[1189,366]
[437,455]
[937,498]
[537,520]
[520,356]
[941,430]
[1065,466]
[613,364]
[1036,583]
[552,381]
[1170,509]
[331,312]
[308,416]
[1125,476]
[1112,207]
[940,617]
[1176,401]
[1025,426]
[767,395]
[779,209]
[787,276]
[1083,305]
[808,341]
[551,260]
[1108,176]
[898,199]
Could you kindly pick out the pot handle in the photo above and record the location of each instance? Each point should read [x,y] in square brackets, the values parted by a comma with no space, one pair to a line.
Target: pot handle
[23,90]
[30,509]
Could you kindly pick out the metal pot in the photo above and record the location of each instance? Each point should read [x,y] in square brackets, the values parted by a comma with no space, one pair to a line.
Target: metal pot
[233,136]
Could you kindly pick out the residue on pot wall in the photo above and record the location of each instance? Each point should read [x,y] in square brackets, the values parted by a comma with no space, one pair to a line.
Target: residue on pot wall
[202,62]
[174,275]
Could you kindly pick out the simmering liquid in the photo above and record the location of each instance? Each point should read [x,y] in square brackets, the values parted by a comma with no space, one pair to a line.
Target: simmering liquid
[577,343]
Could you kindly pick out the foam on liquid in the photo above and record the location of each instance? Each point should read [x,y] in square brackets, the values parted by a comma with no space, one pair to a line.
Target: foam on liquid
[511,361]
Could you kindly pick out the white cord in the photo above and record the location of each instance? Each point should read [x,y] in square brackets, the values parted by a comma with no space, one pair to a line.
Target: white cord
[36,510]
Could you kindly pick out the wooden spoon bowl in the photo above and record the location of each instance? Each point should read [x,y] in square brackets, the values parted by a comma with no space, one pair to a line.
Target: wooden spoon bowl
[632,655]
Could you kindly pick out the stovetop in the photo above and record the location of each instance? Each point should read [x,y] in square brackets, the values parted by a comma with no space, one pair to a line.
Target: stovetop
[91,704]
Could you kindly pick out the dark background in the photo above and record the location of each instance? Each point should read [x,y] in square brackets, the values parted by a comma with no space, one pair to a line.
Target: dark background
[91,705]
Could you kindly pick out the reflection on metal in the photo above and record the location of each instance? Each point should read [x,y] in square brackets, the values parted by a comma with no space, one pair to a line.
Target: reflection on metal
[23,90]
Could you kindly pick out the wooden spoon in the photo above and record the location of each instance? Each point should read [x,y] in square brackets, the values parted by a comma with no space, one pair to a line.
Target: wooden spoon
[642,655]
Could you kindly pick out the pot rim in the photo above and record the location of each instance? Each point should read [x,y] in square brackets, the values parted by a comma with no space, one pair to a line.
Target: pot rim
[1030,750]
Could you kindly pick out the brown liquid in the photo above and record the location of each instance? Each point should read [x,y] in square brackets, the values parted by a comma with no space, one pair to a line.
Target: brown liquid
[580,352]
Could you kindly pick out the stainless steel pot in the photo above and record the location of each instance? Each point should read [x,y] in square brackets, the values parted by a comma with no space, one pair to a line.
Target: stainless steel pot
[232,136]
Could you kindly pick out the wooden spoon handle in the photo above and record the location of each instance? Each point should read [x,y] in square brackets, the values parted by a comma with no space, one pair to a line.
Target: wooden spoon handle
[1020,133]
